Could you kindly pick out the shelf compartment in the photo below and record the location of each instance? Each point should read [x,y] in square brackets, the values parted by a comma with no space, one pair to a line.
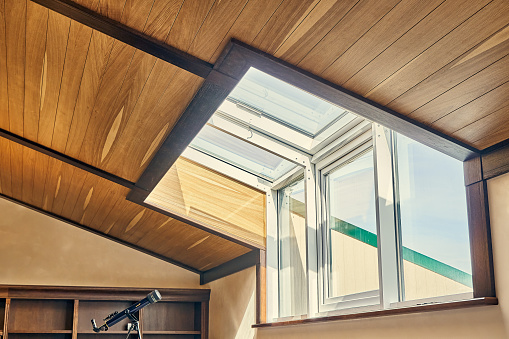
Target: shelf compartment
[2,314]
[41,331]
[39,336]
[40,316]
[169,316]
[98,310]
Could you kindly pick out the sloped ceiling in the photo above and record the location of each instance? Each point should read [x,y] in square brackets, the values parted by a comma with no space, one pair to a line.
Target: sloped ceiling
[95,99]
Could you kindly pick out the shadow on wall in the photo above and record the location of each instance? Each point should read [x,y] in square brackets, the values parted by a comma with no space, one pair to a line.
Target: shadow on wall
[232,306]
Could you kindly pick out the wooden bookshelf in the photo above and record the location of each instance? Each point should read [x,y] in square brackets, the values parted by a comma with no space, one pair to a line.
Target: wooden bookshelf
[28,312]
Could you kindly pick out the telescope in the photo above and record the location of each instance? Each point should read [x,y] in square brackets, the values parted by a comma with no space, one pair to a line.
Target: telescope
[116,317]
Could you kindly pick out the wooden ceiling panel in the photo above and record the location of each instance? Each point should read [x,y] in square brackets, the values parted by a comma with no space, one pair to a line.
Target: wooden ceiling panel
[482,106]
[345,33]
[284,20]
[162,15]
[94,142]
[112,9]
[248,24]
[54,57]
[15,25]
[189,20]
[312,29]
[488,130]
[468,90]
[216,25]
[92,201]
[95,75]
[457,42]
[4,98]
[465,66]
[143,134]
[76,54]
[36,32]
[406,49]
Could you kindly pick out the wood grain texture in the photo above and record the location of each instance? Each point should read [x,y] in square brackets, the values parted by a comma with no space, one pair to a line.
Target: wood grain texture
[345,33]
[495,162]
[191,190]
[486,131]
[101,47]
[249,23]
[422,36]
[4,97]
[188,22]
[312,29]
[56,46]
[100,204]
[462,68]
[15,32]
[476,109]
[35,68]
[480,240]
[75,57]
[474,87]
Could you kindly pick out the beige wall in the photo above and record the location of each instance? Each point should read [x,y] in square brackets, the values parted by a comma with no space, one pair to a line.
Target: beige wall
[488,322]
[38,250]
[232,306]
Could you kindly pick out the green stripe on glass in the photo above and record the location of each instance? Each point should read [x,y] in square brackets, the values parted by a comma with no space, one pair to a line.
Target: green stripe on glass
[412,256]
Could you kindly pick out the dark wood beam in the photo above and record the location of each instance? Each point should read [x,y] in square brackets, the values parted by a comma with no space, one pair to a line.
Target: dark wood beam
[64,158]
[208,98]
[195,223]
[233,266]
[483,274]
[495,162]
[128,36]
[103,235]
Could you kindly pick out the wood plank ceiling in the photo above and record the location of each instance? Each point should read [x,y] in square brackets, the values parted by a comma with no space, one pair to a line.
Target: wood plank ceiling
[75,90]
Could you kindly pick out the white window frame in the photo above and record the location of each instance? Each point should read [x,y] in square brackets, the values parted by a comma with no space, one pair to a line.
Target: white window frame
[327,153]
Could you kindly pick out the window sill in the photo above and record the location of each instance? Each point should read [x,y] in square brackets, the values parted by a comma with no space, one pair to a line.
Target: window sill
[381,313]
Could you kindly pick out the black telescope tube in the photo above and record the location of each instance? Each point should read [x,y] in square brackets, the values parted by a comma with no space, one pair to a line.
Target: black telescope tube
[151,298]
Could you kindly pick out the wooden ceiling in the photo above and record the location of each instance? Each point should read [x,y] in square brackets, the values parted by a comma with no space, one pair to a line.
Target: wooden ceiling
[82,93]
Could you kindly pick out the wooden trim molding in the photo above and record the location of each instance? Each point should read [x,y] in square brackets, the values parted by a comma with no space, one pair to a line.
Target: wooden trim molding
[128,36]
[480,240]
[233,266]
[106,236]
[472,170]
[495,162]
[64,158]
[100,293]
[211,94]
[383,313]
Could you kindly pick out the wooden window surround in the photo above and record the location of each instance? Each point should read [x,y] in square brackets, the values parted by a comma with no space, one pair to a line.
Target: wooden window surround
[236,59]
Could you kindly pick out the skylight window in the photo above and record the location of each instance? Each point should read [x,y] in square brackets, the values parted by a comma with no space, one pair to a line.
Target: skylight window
[285,103]
[239,153]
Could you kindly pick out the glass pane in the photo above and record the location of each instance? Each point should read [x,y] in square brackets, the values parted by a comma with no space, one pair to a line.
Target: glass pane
[433,219]
[240,153]
[352,248]
[286,103]
[292,250]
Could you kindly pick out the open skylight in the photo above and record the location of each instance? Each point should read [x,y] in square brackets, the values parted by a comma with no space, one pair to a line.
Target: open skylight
[285,103]
[239,153]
